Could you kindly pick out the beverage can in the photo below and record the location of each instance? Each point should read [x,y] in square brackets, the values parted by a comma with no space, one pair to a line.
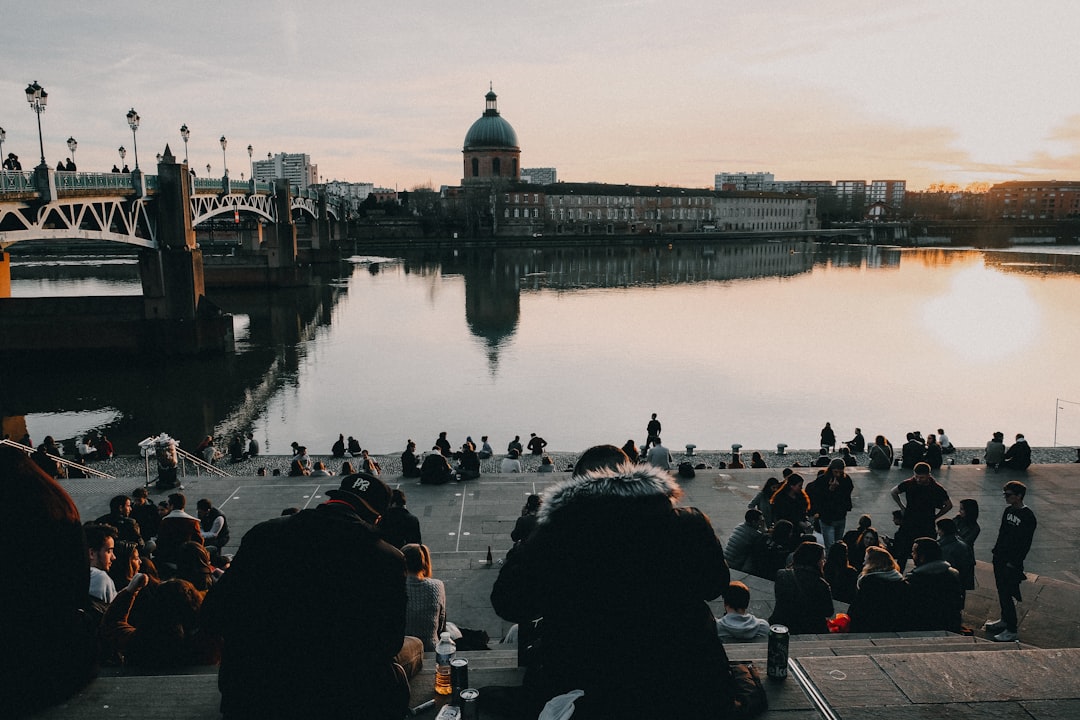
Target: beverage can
[778,651]
[469,699]
[459,674]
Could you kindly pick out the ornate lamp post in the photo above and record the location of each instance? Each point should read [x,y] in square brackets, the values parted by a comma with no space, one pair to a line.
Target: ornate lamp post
[123,154]
[133,123]
[72,143]
[185,134]
[208,169]
[3,137]
[251,163]
[224,162]
[38,98]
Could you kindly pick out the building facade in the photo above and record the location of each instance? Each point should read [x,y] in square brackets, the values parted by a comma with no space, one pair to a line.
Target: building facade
[540,176]
[753,182]
[607,209]
[1034,200]
[297,168]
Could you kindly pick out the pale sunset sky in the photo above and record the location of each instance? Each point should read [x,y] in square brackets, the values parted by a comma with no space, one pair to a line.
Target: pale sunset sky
[621,91]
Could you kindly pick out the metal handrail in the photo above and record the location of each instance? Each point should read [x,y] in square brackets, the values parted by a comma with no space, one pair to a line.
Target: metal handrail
[63,461]
[198,462]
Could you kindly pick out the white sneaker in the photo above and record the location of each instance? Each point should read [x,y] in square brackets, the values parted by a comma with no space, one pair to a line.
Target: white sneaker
[1006,636]
[994,626]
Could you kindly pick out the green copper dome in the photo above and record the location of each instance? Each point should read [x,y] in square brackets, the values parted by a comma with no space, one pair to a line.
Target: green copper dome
[490,131]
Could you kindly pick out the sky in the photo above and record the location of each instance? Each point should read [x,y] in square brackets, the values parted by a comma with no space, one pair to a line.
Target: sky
[622,91]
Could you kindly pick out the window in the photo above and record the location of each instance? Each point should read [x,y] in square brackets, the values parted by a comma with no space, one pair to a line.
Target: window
[496,166]
[475,167]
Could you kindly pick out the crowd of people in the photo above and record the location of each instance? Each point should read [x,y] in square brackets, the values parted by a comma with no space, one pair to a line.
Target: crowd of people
[359,603]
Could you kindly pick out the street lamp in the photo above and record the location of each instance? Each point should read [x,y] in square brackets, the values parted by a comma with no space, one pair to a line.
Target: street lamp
[185,134]
[72,143]
[133,123]
[224,162]
[251,163]
[123,154]
[208,169]
[38,99]
[3,137]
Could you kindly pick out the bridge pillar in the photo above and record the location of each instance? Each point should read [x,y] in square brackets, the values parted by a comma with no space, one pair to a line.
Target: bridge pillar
[322,236]
[5,274]
[181,319]
[282,247]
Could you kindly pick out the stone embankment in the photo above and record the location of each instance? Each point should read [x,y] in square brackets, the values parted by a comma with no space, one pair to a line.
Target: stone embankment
[134,466]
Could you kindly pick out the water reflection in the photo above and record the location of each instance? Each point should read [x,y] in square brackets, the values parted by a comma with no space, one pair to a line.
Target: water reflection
[757,344]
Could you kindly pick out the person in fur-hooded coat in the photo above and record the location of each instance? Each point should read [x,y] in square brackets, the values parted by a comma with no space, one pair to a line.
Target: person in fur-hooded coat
[621,578]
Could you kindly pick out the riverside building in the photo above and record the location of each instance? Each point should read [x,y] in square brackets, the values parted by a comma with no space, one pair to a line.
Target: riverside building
[494,198]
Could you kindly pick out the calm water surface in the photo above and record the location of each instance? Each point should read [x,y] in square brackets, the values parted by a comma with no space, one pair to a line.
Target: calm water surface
[751,344]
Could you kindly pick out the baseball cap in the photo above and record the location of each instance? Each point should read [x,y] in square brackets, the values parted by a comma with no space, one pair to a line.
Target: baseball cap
[364,492]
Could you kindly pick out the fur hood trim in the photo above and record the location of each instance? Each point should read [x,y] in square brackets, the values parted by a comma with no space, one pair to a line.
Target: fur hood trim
[627,481]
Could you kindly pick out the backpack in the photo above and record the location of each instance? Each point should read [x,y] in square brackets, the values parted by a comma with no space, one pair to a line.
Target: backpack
[686,470]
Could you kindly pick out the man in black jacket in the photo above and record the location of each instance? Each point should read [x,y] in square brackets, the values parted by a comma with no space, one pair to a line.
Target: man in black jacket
[312,613]
[1015,534]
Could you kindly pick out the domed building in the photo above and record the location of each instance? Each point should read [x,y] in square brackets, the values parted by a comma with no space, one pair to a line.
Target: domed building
[491,147]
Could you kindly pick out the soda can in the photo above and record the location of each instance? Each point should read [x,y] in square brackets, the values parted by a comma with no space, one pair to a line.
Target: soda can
[459,675]
[778,651]
[469,699]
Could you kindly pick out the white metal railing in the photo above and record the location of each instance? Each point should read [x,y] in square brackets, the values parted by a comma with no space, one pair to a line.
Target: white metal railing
[199,463]
[85,469]
[148,449]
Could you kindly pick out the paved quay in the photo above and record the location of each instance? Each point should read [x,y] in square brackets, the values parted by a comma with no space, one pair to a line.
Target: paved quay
[901,676]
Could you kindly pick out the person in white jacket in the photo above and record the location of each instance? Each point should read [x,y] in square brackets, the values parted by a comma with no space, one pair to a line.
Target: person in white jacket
[736,624]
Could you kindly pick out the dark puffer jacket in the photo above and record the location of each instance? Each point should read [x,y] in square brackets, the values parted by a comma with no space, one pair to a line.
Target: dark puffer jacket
[621,577]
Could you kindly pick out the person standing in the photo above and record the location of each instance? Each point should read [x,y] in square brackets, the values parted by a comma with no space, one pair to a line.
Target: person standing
[828,438]
[252,445]
[830,501]
[652,432]
[927,501]
[1017,530]
[536,444]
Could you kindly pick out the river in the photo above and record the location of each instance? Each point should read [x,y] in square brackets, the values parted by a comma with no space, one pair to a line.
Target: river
[756,344]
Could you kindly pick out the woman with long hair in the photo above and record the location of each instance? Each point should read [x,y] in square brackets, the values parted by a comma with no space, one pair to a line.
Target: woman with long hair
[790,502]
[967,522]
[425,611]
[881,595]
[839,573]
[880,454]
[761,500]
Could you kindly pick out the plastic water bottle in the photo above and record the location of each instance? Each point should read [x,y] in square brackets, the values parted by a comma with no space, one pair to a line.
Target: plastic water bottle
[444,653]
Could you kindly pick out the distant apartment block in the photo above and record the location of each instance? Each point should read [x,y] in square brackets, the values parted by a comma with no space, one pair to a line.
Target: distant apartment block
[743,181]
[890,192]
[540,175]
[1034,200]
[294,167]
[353,190]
